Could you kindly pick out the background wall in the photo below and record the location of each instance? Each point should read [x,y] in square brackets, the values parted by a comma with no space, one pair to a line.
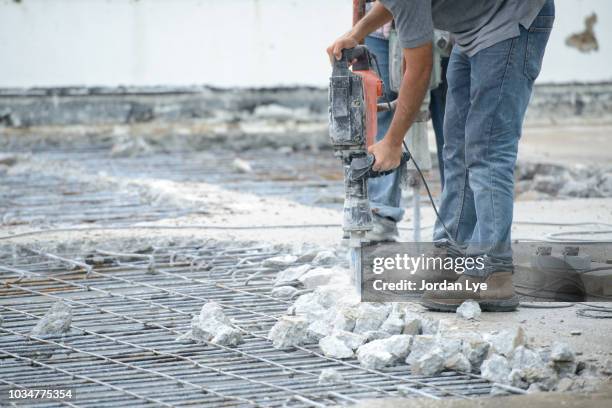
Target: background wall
[222,43]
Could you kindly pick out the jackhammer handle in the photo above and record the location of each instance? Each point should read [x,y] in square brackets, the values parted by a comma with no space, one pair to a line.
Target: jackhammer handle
[374,174]
[359,52]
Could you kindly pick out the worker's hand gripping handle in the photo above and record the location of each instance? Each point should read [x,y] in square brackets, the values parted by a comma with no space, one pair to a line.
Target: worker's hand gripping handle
[361,167]
[357,56]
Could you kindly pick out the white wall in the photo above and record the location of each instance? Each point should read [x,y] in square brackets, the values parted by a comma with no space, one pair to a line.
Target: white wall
[218,42]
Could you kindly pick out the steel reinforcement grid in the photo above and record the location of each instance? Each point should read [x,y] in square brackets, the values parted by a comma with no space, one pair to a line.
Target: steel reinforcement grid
[130,308]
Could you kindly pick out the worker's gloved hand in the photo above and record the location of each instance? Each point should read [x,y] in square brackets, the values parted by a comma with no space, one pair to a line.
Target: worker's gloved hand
[387,156]
[342,43]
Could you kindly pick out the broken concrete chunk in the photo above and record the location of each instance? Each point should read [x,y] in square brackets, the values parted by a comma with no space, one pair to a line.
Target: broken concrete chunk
[352,340]
[278,262]
[57,320]
[522,358]
[469,310]
[561,352]
[333,347]
[564,385]
[227,336]
[284,292]
[213,325]
[393,325]
[515,379]
[496,369]
[476,350]
[317,330]
[288,331]
[370,316]
[330,376]
[505,341]
[241,166]
[374,356]
[412,324]
[308,306]
[430,363]
[345,318]
[325,258]
[429,326]
[375,335]
[420,346]
[458,362]
[325,276]
[291,275]
[381,353]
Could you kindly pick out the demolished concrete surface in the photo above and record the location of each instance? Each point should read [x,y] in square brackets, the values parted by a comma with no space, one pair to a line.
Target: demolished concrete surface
[213,325]
[380,335]
[56,321]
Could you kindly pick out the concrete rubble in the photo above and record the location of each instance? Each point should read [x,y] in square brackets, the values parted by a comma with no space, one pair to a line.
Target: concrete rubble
[333,347]
[430,363]
[213,325]
[284,292]
[56,321]
[381,353]
[330,376]
[505,341]
[469,310]
[288,331]
[496,369]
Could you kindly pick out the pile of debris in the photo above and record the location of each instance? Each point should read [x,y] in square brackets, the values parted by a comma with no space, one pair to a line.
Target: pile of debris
[328,313]
[545,180]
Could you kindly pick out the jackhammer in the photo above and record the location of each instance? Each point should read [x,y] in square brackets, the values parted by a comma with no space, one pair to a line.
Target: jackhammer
[352,127]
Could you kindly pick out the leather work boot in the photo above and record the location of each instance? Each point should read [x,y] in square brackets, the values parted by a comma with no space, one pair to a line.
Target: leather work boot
[437,274]
[497,297]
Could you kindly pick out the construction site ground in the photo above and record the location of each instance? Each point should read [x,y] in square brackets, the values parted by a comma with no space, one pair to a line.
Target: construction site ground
[57,198]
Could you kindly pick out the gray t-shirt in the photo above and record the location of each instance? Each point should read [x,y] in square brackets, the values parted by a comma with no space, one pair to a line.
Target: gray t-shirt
[475,24]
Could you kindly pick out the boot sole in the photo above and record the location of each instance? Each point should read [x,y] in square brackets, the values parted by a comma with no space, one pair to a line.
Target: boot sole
[498,305]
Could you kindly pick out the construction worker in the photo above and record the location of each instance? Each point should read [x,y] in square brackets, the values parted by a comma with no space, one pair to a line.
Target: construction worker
[498,52]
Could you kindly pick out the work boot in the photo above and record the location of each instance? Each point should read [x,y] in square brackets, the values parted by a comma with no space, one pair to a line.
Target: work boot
[498,297]
[383,230]
[435,274]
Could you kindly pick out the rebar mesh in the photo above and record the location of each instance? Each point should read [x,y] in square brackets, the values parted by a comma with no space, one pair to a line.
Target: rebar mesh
[129,309]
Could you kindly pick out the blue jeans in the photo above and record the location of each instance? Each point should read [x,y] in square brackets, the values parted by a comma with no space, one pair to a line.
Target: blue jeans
[486,102]
[384,192]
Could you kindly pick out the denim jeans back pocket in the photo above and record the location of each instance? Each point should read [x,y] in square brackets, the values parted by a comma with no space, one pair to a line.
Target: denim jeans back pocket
[537,38]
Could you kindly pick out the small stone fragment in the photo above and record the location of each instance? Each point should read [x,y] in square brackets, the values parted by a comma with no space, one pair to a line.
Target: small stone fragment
[476,350]
[431,363]
[333,347]
[561,352]
[325,258]
[375,335]
[505,341]
[57,320]
[381,353]
[420,346]
[370,317]
[324,276]
[496,369]
[283,292]
[412,324]
[288,331]
[330,376]
[345,318]
[291,275]
[515,379]
[352,340]
[429,326]
[564,385]
[317,330]
[280,261]
[241,166]
[469,310]
[533,388]
[458,362]
[522,358]
[394,324]
[213,325]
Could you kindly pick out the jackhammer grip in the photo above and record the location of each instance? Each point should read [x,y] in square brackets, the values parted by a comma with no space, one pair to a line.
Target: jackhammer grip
[359,53]
[361,167]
